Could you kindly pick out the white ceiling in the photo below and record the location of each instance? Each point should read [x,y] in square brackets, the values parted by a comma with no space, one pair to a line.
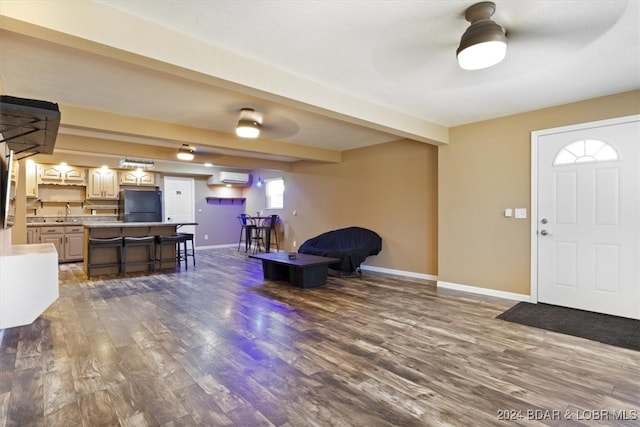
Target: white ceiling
[396,54]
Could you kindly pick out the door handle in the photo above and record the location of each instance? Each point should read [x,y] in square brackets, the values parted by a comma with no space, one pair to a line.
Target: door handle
[544,232]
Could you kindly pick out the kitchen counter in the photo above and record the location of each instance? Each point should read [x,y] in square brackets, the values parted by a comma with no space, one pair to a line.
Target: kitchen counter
[35,249]
[107,224]
[134,224]
[53,223]
[135,256]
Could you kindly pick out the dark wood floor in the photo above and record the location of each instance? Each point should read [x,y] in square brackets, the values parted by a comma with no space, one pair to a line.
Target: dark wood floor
[216,346]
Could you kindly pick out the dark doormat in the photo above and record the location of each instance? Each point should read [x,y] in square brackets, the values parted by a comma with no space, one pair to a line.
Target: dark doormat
[613,330]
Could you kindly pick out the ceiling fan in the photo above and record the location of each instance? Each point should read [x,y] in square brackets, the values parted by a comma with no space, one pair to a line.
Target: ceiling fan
[253,123]
[424,47]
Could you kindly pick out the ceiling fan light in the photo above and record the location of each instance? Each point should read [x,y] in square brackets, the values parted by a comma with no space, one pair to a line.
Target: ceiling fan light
[248,128]
[482,55]
[185,153]
[484,43]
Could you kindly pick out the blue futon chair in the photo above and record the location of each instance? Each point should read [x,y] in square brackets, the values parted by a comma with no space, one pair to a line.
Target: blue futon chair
[352,245]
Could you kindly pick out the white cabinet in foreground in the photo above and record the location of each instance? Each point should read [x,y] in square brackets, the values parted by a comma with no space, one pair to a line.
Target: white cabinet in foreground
[26,292]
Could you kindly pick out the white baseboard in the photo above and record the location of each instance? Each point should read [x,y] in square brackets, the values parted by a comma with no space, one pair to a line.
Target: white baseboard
[484,291]
[226,245]
[399,272]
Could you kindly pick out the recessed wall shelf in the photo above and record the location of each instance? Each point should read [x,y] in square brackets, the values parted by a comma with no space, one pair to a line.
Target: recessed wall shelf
[225,200]
[64,202]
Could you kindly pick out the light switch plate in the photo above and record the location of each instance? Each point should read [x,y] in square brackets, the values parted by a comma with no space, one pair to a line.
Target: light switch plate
[521,213]
[508,212]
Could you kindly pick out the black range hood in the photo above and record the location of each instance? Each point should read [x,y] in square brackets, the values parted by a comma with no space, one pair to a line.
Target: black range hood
[28,126]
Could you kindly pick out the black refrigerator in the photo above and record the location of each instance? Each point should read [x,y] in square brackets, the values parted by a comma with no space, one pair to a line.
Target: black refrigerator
[140,206]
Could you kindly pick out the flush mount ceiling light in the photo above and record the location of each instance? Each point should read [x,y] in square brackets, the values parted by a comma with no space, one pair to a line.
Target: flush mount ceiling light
[249,124]
[185,152]
[136,164]
[484,44]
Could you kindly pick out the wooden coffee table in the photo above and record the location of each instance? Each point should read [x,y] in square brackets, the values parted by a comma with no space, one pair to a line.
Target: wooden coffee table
[305,271]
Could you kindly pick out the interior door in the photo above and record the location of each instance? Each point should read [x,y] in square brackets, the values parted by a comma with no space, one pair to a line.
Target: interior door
[588,215]
[179,203]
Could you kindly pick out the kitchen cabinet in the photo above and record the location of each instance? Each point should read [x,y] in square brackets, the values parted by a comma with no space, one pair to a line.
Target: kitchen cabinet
[138,177]
[31,179]
[73,243]
[62,175]
[68,241]
[102,184]
[33,235]
[53,235]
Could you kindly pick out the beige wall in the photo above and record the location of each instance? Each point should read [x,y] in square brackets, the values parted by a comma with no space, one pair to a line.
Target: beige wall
[487,168]
[390,188]
[217,221]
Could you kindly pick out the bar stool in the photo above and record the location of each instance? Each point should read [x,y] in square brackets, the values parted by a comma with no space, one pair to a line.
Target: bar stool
[110,242]
[174,240]
[257,239]
[186,253]
[269,226]
[247,229]
[262,234]
[149,243]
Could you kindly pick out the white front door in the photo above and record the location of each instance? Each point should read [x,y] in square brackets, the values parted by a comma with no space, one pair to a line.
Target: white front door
[179,201]
[588,215]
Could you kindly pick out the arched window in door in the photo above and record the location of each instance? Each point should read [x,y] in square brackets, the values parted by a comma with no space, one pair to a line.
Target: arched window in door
[588,150]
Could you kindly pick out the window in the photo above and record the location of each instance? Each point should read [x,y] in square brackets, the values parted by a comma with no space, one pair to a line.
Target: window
[589,150]
[274,189]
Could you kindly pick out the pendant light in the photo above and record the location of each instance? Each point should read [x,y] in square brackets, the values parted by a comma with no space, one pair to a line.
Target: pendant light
[484,43]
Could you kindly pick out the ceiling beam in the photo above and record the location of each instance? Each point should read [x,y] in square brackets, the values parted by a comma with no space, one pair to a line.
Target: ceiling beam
[174,135]
[95,152]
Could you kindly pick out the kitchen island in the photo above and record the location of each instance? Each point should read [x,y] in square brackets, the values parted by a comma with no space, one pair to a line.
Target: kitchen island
[104,230]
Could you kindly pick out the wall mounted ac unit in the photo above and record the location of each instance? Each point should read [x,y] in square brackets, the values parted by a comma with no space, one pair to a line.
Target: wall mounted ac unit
[234,177]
